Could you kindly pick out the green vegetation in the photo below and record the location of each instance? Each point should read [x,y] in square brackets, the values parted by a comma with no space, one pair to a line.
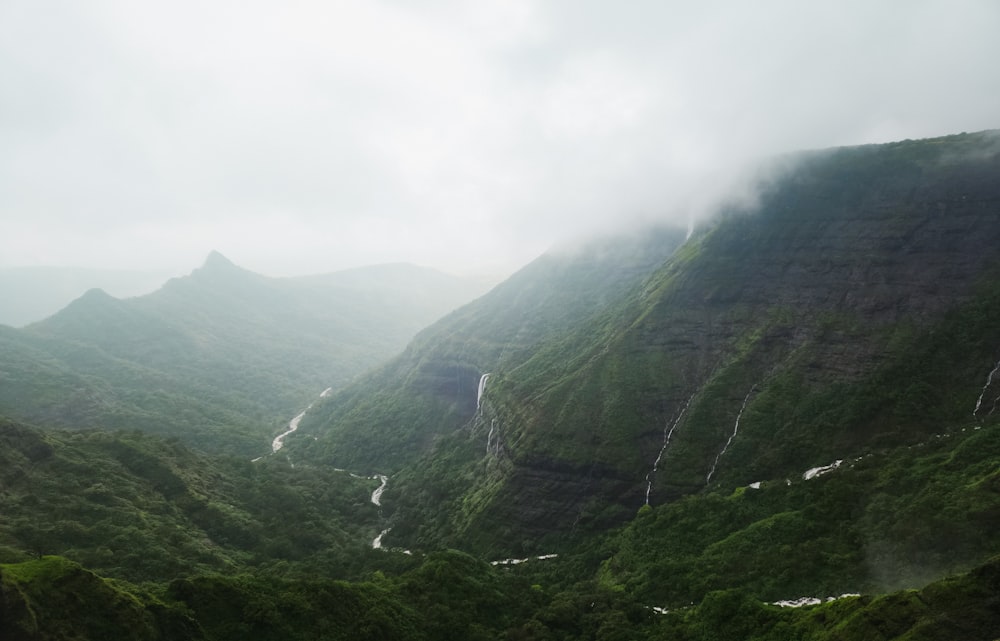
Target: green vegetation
[887,520]
[452,596]
[855,309]
[222,358]
[853,316]
[132,506]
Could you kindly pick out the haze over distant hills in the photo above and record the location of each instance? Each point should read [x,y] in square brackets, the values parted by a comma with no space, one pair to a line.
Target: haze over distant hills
[222,356]
[29,294]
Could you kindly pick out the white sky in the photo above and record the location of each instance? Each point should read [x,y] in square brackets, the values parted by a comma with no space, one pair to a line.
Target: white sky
[302,137]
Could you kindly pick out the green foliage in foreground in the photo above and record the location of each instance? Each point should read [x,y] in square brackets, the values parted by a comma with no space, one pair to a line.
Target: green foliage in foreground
[451,596]
[133,506]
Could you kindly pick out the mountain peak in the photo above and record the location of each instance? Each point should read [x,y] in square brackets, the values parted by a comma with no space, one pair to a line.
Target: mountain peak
[95,296]
[215,260]
[219,270]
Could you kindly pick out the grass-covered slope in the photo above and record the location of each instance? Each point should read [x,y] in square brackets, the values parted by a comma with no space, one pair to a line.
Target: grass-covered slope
[221,358]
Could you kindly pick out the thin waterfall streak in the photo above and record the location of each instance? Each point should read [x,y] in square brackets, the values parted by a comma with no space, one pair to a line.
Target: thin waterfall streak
[989,381]
[489,437]
[736,428]
[667,435]
[480,390]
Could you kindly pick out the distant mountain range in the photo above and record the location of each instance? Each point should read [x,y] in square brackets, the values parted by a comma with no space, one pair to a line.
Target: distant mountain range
[29,294]
[222,357]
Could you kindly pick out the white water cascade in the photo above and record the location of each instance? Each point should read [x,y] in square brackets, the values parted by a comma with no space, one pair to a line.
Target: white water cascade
[820,471]
[811,600]
[520,561]
[377,501]
[668,432]
[377,543]
[279,440]
[989,381]
[377,493]
[736,428]
[479,392]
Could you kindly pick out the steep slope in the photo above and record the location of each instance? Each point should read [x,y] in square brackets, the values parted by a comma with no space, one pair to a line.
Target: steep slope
[848,309]
[222,357]
[388,418]
[853,307]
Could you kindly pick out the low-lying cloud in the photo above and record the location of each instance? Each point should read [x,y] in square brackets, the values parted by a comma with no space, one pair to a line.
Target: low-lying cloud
[309,136]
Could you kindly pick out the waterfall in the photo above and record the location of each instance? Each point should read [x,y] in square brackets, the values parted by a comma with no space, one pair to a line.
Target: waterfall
[989,381]
[479,392]
[736,428]
[377,543]
[668,432]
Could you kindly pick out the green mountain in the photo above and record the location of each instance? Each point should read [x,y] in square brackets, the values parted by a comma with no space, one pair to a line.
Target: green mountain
[784,426]
[223,357]
[850,309]
[386,418]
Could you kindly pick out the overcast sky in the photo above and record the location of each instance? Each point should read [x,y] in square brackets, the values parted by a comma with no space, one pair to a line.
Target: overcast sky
[303,137]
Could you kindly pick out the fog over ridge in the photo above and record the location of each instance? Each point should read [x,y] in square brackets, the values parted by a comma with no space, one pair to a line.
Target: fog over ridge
[309,137]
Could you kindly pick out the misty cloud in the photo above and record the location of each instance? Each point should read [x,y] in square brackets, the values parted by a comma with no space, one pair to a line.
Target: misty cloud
[312,136]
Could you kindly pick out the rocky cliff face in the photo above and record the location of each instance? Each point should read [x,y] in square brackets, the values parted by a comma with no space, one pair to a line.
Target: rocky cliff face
[844,312]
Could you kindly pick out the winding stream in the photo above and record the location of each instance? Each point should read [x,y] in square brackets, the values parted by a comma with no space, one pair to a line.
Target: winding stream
[279,440]
[376,498]
[377,493]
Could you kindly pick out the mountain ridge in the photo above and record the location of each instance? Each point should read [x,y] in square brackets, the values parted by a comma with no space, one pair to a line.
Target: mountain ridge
[654,437]
[830,285]
[241,350]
